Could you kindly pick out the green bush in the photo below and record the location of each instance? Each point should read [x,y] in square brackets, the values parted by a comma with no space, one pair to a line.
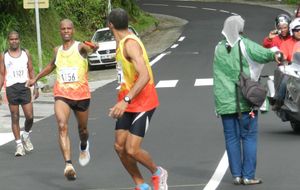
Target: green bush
[88,14]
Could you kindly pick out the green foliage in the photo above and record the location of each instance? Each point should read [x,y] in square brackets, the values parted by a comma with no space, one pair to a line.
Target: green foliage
[87,14]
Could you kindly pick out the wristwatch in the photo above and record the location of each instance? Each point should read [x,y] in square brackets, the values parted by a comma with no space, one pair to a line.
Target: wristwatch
[127,99]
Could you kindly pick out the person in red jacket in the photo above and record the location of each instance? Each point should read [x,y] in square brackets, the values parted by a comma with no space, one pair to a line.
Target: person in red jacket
[287,47]
[280,34]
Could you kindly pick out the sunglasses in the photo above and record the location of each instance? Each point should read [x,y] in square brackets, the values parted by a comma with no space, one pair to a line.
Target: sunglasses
[296,30]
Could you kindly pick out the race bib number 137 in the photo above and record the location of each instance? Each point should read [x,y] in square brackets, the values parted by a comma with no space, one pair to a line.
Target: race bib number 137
[69,74]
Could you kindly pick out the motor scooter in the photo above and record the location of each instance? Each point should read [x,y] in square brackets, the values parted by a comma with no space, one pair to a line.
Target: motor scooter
[284,92]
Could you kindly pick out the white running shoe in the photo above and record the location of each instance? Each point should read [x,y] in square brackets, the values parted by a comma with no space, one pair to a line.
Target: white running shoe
[20,151]
[27,143]
[69,172]
[160,181]
[84,155]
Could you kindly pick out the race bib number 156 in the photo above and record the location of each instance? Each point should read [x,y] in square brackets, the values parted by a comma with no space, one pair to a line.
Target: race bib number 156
[69,74]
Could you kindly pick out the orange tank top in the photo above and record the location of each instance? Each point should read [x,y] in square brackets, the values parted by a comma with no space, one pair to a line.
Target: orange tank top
[147,99]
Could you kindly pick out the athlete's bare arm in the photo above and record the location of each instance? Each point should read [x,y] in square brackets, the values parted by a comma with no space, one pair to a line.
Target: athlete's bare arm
[47,70]
[133,52]
[2,73]
[85,49]
[31,73]
[2,70]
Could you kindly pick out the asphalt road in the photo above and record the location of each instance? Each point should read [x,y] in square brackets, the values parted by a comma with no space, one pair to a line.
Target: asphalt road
[185,136]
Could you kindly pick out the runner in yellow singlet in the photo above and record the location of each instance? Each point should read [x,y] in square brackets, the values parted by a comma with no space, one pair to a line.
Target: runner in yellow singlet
[137,101]
[71,92]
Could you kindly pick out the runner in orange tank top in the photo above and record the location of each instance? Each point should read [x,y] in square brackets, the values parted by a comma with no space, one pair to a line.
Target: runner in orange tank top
[71,92]
[137,101]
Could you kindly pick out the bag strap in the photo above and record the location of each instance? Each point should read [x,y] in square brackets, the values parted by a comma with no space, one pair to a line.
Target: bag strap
[240,55]
[238,90]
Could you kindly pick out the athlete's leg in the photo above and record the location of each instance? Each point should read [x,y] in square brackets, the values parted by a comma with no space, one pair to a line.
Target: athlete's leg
[62,113]
[15,116]
[28,112]
[82,120]
[128,162]
[133,148]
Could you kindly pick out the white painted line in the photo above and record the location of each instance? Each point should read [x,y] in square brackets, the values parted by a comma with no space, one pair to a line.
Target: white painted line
[234,14]
[223,11]
[209,9]
[204,82]
[152,4]
[7,137]
[181,38]
[167,84]
[219,174]
[174,46]
[159,57]
[184,6]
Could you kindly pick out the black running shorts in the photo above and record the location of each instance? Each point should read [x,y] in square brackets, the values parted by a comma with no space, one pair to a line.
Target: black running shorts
[136,123]
[18,94]
[76,105]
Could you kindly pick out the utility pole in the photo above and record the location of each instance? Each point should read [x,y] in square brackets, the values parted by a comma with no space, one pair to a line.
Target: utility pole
[108,7]
[38,33]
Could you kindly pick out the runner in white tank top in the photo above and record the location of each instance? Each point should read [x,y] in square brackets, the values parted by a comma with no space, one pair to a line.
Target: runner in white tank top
[15,69]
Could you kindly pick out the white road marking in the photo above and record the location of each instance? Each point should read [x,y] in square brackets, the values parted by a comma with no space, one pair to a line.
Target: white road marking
[7,137]
[159,57]
[167,84]
[223,11]
[152,4]
[181,38]
[184,6]
[209,9]
[204,82]
[219,174]
[174,46]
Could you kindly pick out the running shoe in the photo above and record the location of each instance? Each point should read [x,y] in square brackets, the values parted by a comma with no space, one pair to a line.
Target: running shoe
[237,180]
[69,172]
[145,187]
[160,181]
[251,181]
[20,151]
[84,155]
[27,143]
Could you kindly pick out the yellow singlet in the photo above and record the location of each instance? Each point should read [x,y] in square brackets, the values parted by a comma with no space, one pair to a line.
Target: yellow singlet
[147,99]
[71,74]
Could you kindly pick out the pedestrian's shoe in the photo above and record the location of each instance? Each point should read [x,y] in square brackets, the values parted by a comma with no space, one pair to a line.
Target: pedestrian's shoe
[84,155]
[69,172]
[237,180]
[27,143]
[160,181]
[20,151]
[144,186]
[251,181]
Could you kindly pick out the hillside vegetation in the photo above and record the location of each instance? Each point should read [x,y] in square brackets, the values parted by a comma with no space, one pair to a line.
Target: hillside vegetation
[87,15]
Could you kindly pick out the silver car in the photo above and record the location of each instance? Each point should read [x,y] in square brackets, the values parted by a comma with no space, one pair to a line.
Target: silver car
[106,53]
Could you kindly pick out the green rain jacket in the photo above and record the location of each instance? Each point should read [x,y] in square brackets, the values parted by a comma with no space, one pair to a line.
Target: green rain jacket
[226,69]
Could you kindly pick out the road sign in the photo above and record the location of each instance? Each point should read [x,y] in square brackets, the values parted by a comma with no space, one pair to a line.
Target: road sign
[29,4]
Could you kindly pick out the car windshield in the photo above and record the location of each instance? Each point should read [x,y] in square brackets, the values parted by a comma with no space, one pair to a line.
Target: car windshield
[103,36]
